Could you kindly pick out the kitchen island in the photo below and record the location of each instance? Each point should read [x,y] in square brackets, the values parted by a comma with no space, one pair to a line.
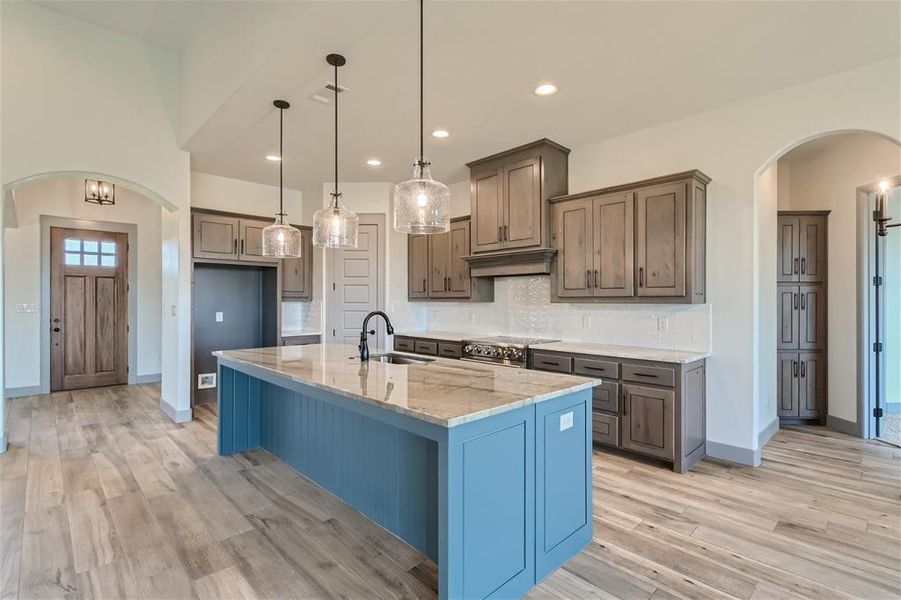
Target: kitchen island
[485,469]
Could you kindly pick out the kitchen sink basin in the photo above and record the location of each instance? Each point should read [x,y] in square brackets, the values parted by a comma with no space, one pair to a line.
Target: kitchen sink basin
[400,359]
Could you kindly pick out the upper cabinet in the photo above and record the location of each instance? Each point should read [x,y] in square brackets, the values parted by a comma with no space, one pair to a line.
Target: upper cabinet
[297,273]
[801,248]
[437,270]
[508,195]
[640,242]
[219,236]
[251,240]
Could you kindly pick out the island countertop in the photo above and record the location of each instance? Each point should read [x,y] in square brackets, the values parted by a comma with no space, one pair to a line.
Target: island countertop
[445,392]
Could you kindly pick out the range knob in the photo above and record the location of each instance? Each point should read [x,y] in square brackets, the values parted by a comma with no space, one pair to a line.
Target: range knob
[467,348]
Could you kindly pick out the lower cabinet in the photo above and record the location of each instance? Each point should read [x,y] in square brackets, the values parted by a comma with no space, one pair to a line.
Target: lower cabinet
[801,385]
[647,419]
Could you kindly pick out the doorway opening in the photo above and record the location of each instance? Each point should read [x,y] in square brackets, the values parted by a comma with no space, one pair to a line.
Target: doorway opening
[88,308]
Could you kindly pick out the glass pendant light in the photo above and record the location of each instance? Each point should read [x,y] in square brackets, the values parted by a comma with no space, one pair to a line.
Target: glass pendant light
[280,240]
[421,204]
[335,226]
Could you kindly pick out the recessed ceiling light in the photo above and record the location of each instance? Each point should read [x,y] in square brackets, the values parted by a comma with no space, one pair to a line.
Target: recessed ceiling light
[440,133]
[273,157]
[546,89]
[374,162]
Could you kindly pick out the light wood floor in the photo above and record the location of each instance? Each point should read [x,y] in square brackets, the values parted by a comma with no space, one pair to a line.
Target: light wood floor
[101,496]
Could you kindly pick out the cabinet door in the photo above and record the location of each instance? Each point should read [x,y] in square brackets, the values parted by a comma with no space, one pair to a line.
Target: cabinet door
[788,266]
[812,384]
[614,264]
[457,268]
[417,266]
[812,317]
[251,241]
[812,249]
[787,370]
[215,237]
[297,277]
[572,222]
[487,199]
[788,317]
[660,248]
[522,204]
[439,250]
[647,420]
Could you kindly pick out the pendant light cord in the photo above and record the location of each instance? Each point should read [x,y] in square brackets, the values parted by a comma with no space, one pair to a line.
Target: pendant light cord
[421,84]
[281,163]
[335,194]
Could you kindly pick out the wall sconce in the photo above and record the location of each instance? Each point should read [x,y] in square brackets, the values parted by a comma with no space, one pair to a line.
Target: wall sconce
[99,192]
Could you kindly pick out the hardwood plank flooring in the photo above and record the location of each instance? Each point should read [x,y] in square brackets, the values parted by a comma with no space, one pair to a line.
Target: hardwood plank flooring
[101,496]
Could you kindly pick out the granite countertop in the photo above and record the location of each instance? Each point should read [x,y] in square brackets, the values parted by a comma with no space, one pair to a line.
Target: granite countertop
[445,392]
[627,352]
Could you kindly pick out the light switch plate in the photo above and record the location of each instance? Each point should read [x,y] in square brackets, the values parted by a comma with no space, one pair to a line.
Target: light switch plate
[566,421]
[27,308]
[219,317]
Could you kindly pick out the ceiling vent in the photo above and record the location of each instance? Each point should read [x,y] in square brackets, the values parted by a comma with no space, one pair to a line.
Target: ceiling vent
[326,94]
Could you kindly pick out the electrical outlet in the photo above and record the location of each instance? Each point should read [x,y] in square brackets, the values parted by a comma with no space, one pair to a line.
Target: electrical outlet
[566,421]
[220,317]
[662,324]
[586,321]
[206,381]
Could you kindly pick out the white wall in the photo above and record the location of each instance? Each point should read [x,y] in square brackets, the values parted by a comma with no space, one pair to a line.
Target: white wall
[64,197]
[765,384]
[62,112]
[734,144]
[824,175]
[234,195]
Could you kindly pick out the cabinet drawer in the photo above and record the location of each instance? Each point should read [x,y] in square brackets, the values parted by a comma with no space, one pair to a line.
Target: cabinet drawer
[606,397]
[552,362]
[403,344]
[425,347]
[450,349]
[605,429]
[607,369]
[653,375]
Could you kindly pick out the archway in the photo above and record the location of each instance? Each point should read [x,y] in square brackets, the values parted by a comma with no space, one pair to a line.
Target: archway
[879,155]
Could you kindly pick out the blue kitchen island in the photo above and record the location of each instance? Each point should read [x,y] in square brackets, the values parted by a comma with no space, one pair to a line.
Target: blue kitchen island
[486,469]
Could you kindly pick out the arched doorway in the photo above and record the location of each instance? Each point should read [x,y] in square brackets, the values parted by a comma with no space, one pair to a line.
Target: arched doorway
[818,175]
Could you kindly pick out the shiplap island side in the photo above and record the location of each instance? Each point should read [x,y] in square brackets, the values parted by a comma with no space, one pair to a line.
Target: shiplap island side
[486,469]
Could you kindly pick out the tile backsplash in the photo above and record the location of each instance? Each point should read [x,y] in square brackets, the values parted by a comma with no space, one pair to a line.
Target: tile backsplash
[522,307]
[301,316]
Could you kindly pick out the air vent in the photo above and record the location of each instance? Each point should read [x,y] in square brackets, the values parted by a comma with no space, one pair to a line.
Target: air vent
[331,87]
[325,95]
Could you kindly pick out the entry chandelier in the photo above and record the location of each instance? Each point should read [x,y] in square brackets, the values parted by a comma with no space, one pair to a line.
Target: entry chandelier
[99,192]
[421,204]
[280,240]
[335,226]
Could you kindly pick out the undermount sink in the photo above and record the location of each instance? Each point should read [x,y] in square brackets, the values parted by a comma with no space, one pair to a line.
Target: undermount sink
[400,359]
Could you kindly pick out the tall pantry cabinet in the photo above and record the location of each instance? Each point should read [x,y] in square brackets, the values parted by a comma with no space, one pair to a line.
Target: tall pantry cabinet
[801,309]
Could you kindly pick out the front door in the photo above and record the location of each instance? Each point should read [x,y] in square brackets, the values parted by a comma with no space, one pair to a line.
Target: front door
[88,308]
[354,288]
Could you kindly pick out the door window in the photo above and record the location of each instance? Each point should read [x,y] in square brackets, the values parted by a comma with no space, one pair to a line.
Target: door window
[90,253]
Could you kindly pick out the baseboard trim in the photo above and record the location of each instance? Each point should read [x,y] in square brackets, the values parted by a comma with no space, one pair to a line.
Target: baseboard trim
[2,444]
[843,425]
[767,433]
[18,392]
[179,416]
[733,454]
[149,378]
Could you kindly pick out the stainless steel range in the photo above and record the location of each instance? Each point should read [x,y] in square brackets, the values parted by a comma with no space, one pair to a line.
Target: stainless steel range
[505,350]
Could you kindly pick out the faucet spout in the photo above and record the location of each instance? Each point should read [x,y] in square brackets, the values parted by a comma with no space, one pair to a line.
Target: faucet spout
[364,335]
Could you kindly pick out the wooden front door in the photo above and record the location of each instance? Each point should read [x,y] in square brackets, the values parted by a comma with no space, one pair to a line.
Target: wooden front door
[88,306]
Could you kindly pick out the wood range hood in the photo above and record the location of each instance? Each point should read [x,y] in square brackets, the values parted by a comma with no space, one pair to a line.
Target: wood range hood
[509,194]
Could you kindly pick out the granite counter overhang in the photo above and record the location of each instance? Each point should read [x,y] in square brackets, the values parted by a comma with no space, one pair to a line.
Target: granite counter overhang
[445,392]
[624,352]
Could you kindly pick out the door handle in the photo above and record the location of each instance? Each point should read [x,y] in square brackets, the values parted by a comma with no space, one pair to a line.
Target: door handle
[795,266]
[56,330]
[803,368]
[794,368]
[795,301]
[804,265]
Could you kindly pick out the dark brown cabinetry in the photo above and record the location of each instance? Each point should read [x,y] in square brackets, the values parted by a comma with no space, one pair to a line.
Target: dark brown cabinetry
[640,242]
[508,195]
[297,273]
[437,270]
[801,315]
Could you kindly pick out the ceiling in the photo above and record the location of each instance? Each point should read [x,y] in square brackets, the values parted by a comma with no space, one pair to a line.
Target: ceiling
[620,67]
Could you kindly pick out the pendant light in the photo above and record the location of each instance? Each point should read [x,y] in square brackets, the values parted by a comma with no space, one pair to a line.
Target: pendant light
[421,204]
[335,226]
[280,240]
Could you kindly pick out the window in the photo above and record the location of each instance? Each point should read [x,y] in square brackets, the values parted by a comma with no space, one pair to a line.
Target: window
[89,253]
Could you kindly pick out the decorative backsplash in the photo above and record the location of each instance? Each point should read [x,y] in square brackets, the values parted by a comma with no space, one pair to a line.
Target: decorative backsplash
[301,316]
[522,307]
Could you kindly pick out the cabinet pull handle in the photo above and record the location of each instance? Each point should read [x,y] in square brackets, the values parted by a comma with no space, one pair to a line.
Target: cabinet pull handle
[424,287]
[803,301]
[625,402]
[803,265]
[506,233]
[794,368]
[795,266]
[595,278]
[500,233]
[588,278]
[803,368]
[648,375]
[235,246]
[795,300]
[640,276]
[242,246]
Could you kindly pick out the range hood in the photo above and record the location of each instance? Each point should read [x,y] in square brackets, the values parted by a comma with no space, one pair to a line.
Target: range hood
[509,192]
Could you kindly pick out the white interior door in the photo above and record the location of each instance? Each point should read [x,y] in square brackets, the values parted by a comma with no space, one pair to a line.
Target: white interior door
[356,285]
